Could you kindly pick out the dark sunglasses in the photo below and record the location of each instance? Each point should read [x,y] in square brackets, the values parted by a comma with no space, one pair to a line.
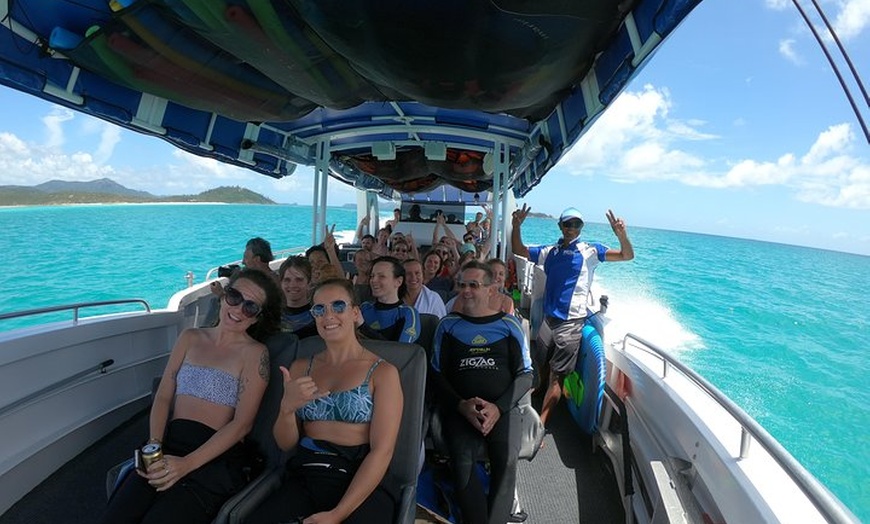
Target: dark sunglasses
[572,224]
[234,297]
[473,284]
[338,307]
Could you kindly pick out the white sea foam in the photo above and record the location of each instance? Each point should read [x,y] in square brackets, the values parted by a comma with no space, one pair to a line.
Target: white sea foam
[635,311]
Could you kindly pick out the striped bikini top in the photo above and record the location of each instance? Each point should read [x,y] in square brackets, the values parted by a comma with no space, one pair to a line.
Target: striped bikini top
[353,406]
[213,385]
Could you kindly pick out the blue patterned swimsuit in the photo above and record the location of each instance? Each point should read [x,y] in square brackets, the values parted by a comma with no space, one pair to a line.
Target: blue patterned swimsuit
[353,406]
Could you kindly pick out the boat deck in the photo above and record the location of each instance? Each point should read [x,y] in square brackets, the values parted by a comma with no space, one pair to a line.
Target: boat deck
[565,482]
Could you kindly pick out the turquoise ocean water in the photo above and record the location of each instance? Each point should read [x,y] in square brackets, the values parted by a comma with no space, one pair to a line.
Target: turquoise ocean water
[780,329]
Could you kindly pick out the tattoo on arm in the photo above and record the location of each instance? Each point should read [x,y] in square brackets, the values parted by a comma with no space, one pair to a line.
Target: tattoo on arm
[264,366]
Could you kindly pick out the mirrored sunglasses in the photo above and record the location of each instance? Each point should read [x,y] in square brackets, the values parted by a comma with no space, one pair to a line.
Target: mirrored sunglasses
[338,307]
[473,284]
[234,297]
[572,224]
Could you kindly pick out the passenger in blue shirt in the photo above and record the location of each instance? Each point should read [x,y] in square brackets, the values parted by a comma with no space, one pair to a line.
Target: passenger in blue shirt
[387,315]
[482,368]
[569,265]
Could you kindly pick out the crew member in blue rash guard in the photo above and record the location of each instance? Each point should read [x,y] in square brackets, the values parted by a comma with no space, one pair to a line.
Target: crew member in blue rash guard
[482,368]
[569,265]
[387,315]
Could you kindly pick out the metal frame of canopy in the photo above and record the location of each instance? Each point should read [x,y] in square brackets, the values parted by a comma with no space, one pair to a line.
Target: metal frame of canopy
[34,59]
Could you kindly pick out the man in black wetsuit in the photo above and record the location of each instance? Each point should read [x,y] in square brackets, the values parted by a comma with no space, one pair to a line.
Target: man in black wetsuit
[482,369]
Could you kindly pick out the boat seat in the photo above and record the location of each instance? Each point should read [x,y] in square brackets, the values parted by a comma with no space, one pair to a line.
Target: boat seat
[410,361]
[283,350]
[531,427]
[428,324]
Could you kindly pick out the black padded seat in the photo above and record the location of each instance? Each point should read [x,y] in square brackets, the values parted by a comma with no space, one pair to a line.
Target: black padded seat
[284,349]
[410,361]
[428,324]
[532,430]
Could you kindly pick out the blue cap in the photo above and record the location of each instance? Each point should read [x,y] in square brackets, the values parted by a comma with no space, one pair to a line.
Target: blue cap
[570,213]
[466,248]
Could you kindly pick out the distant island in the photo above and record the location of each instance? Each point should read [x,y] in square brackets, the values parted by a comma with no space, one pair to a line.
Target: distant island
[107,191]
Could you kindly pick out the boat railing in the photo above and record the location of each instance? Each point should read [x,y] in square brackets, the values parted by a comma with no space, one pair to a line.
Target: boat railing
[75,308]
[279,255]
[100,368]
[827,504]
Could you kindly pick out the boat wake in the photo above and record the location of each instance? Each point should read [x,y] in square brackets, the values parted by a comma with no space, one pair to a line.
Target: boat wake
[632,310]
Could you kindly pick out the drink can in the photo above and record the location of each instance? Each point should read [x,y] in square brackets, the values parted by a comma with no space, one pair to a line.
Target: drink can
[151,453]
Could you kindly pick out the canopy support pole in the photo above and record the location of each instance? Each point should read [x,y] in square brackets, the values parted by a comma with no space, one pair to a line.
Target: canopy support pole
[321,177]
[500,181]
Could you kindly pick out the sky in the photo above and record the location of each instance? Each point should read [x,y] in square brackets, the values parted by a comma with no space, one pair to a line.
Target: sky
[737,127]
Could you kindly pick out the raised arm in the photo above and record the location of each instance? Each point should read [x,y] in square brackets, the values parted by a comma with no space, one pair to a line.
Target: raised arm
[332,249]
[487,243]
[625,251]
[363,226]
[439,221]
[415,253]
[517,245]
[383,431]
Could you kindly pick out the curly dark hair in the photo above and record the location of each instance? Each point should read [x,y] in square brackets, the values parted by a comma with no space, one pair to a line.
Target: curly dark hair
[269,321]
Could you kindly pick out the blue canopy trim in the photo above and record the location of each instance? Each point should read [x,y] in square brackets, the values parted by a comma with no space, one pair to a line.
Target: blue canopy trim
[403,96]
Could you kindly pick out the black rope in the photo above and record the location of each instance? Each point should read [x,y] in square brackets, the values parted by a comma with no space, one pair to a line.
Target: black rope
[845,88]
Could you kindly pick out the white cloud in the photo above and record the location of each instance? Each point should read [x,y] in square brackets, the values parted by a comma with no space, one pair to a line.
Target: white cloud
[786,49]
[852,18]
[54,126]
[778,5]
[849,19]
[26,164]
[633,136]
[109,138]
[637,140]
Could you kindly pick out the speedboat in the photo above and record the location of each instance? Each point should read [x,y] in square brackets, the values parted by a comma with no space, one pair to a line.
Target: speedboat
[441,103]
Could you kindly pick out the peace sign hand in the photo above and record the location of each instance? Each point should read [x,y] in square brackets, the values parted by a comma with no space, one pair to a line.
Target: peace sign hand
[519,216]
[616,223]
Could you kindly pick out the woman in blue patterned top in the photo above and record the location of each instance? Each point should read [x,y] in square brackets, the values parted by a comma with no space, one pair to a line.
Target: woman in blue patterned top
[341,411]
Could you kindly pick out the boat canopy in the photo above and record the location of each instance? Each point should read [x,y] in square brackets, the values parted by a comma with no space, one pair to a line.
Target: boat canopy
[388,96]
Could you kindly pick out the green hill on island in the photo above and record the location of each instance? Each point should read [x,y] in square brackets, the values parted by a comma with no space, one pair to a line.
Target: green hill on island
[106,191]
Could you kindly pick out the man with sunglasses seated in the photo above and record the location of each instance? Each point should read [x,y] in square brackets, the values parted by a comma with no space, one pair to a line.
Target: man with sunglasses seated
[569,265]
[482,368]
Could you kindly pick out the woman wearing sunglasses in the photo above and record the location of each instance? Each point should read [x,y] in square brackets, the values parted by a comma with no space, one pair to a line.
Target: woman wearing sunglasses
[295,277]
[341,410]
[212,386]
[387,315]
